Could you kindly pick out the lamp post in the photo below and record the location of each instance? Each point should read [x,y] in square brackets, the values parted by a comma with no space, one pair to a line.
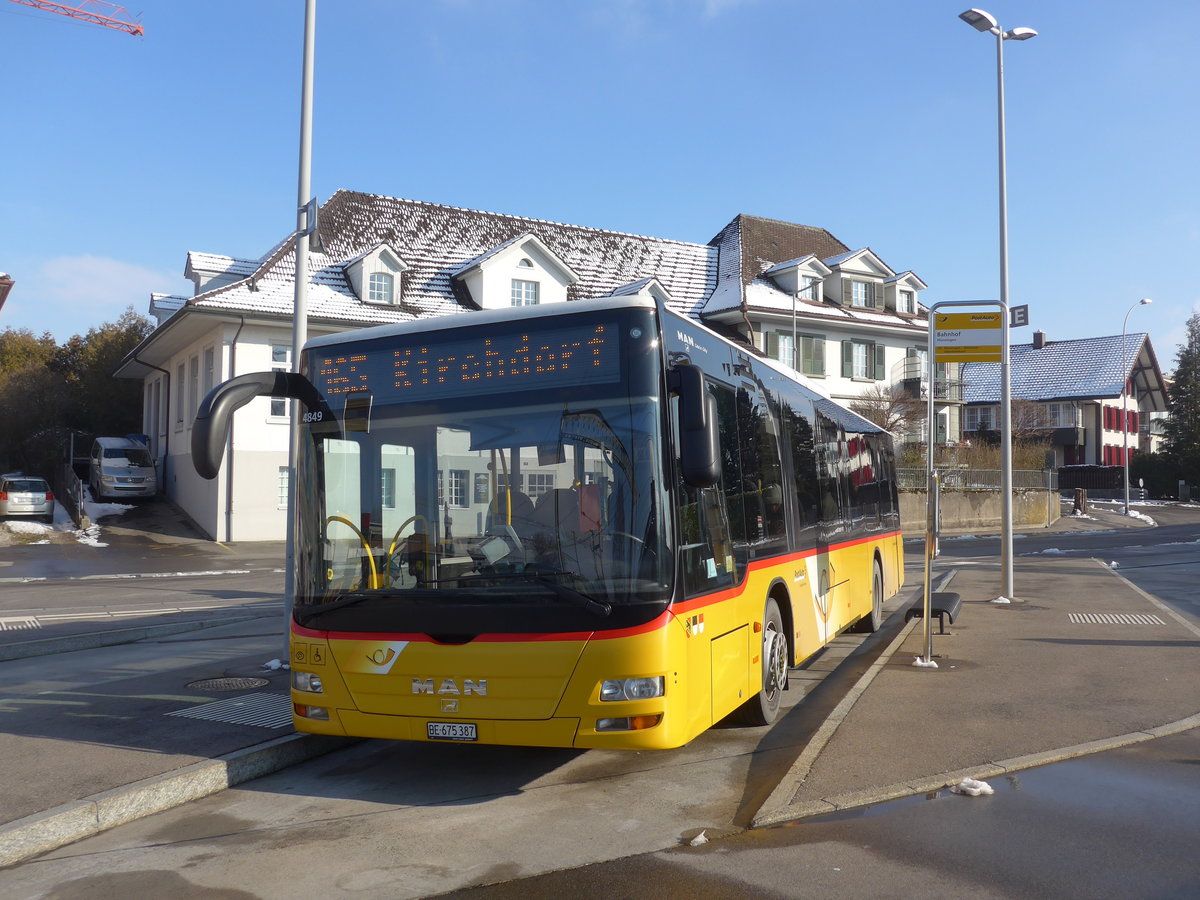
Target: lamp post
[1126,384]
[984,21]
[305,225]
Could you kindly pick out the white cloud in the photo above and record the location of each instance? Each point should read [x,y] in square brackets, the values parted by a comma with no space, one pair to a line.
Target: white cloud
[67,295]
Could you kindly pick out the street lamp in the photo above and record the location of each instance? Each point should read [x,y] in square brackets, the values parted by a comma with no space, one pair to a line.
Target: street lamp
[984,21]
[1126,384]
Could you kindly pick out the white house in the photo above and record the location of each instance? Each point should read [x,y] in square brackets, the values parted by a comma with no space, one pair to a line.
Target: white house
[854,322]
[1092,398]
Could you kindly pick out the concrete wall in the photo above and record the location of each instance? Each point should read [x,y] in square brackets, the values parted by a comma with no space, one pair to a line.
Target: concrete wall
[979,511]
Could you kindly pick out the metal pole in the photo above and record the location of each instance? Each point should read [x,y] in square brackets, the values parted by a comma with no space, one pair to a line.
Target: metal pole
[795,368]
[1006,524]
[300,310]
[1125,409]
[1126,386]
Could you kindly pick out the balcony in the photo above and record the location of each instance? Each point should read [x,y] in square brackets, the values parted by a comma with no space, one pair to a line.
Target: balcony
[912,377]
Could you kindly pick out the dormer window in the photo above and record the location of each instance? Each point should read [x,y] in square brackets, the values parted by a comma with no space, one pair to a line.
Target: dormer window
[906,302]
[524,293]
[375,275]
[812,288]
[862,293]
[380,287]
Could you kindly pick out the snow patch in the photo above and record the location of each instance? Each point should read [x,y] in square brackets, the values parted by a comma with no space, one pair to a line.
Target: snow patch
[972,788]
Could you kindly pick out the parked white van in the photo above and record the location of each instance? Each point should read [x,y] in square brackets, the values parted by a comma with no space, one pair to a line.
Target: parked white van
[121,467]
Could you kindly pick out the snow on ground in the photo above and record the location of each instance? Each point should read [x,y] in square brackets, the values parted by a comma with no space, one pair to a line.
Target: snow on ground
[63,524]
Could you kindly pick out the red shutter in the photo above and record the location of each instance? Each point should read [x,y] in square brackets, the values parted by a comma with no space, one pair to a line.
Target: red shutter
[1136,421]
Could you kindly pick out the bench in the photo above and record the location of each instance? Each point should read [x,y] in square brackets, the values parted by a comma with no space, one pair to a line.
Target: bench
[942,604]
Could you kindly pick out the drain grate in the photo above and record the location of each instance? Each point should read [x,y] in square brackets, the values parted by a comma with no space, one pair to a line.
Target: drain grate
[1114,619]
[265,710]
[228,684]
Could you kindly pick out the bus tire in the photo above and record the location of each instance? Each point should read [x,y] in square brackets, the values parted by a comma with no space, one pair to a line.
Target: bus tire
[871,622]
[763,707]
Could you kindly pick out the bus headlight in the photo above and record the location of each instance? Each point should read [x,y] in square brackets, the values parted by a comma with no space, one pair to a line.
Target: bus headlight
[631,689]
[307,681]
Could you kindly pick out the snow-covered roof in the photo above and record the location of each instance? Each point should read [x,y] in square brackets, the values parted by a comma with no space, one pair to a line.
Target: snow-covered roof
[1083,368]
[435,242]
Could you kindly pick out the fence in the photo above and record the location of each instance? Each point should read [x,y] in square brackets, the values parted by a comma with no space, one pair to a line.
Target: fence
[69,492]
[959,479]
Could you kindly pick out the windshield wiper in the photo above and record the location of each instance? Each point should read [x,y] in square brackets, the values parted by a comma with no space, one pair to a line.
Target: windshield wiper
[591,604]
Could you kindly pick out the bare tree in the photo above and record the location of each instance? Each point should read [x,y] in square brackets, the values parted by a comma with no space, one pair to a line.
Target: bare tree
[891,408]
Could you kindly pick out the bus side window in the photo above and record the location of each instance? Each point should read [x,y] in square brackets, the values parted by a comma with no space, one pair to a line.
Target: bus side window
[705,541]
[762,473]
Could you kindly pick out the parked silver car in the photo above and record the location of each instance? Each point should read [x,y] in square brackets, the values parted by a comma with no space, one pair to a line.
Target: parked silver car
[26,495]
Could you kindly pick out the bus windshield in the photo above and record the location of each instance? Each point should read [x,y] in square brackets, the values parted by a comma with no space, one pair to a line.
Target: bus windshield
[483,501]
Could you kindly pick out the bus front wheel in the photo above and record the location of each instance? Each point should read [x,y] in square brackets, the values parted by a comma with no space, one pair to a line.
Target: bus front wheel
[763,707]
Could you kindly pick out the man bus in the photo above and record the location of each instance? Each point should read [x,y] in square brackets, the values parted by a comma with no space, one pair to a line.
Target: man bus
[593,524]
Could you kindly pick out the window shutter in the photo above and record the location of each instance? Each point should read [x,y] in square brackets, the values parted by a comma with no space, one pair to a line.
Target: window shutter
[847,359]
[772,344]
[847,288]
[879,362]
[818,355]
[879,291]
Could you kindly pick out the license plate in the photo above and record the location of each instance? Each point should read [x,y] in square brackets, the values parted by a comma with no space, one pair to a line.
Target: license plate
[451,731]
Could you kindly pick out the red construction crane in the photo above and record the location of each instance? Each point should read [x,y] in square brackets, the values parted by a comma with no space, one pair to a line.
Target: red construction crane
[95,11]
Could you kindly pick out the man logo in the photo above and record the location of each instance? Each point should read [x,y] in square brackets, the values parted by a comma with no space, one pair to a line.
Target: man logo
[449,687]
[449,706]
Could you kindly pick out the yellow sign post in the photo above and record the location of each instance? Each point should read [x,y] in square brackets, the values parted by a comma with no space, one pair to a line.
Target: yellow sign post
[968,337]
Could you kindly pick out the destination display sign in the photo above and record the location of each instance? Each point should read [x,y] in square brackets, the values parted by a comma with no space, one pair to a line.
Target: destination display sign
[428,367]
[967,337]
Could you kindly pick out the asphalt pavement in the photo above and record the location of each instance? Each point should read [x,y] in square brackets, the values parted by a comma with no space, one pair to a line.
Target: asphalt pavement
[1080,661]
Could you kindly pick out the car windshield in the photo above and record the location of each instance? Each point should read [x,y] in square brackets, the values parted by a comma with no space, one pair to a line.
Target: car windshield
[133,456]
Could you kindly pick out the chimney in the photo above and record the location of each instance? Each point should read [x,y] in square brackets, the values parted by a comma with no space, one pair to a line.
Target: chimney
[1039,340]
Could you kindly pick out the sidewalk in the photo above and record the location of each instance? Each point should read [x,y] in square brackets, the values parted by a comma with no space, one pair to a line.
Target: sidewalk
[1016,686]
[100,737]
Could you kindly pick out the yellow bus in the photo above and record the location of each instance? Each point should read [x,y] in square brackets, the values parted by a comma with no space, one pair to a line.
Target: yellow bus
[593,524]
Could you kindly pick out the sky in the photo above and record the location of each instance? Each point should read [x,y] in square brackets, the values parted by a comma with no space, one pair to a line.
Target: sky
[874,119]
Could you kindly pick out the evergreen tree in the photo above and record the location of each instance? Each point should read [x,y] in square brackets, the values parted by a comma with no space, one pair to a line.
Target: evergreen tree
[1182,426]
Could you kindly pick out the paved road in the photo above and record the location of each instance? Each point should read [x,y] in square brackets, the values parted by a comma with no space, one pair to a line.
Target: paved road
[1117,825]
[412,820]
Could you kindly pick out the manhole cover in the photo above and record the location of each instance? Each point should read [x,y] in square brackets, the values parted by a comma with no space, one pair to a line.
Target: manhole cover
[228,684]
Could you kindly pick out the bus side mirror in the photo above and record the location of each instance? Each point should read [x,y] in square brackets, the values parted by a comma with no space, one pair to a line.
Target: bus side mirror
[211,427]
[699,455]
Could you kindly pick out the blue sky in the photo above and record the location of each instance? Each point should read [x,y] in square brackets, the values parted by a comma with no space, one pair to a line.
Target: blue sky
[873,119]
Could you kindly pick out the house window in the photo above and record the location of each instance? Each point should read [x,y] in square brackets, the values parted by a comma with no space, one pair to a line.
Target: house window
[281,361]
[811,289]
[524,293]
[906,302]
[281,498]
[812,351]
[538,483]
[862,359]
[379,287]
[456,488]
[860,293]
[525,264]
[193,386]
[179,396]
[981,418]
[209,369]
[387,488]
